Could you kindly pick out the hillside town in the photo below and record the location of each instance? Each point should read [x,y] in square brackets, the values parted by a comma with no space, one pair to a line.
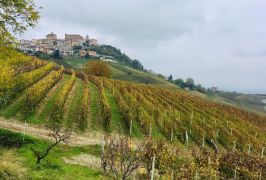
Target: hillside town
[72,44]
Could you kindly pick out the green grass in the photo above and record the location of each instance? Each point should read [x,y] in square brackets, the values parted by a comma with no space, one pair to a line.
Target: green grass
[53,166]
[117,123]
[75,103]
[48,105]
[96,119]
[13,108]
[75,62]
[122,72]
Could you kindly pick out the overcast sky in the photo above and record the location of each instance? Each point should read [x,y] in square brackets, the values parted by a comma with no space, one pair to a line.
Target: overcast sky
[217,42]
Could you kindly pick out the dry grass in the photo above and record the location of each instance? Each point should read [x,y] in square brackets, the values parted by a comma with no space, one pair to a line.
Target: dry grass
[10,166]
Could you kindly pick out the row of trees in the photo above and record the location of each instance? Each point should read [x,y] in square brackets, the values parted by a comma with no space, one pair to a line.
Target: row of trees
[188,83]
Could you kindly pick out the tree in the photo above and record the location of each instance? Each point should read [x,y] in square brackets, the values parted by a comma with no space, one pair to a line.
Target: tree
[87,56]
[97,68]
[15,17]
[59,135]
[137,65]
[57,54]
[190,83]
[170,78]
[119,157]
[180,83]
[77,48]
[200,88]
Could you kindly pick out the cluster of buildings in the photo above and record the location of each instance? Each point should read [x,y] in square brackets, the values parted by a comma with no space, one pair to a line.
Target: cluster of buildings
[66,46]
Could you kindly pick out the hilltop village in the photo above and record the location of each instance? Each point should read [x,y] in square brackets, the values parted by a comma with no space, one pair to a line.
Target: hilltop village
[72,44]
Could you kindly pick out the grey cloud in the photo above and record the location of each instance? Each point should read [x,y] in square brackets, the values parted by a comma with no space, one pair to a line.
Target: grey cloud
[218,43]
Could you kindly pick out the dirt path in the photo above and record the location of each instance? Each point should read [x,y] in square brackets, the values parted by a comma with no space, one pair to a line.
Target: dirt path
[41,132]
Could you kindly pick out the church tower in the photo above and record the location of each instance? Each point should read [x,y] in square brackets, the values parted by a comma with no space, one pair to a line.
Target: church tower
[87,38]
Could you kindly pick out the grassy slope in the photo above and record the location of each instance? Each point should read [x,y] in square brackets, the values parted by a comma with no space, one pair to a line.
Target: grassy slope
[96,120]
[75,105]
[120,72]
[117,123]
[53,166]
[47,106]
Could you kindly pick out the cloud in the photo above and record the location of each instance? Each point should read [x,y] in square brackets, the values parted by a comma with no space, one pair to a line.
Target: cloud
[219,42]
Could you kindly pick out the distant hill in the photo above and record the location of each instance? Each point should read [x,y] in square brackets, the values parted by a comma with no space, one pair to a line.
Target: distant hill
[252,102]
[117,55]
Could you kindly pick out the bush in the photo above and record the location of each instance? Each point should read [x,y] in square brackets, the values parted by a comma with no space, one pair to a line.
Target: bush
[97,68]
[10,139]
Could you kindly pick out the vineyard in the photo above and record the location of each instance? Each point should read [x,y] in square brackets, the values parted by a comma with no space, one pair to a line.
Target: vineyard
[40,92]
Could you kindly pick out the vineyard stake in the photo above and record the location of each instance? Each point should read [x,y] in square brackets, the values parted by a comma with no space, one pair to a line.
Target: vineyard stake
[231,132]
[153,165]
[24,131]
[190,126]
[102,150]
[130,128]
[150,129]
[217,134]
[196,175]
[172,174]
[203,141]
[172,135]
[262,151]
[260,176]
[186,138]
[249,148]
[234,147]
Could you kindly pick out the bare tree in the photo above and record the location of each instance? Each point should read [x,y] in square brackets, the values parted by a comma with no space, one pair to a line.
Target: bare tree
[119,157]
[59,135]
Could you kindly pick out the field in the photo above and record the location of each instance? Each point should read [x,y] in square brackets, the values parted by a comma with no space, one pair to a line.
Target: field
[40,93]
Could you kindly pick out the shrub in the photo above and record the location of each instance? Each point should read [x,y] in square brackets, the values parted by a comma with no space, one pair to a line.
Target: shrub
[97,68]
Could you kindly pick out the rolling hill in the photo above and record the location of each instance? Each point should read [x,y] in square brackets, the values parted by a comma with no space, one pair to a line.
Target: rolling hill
[38,93]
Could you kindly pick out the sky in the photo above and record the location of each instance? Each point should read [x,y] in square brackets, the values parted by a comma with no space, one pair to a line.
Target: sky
[216,42]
